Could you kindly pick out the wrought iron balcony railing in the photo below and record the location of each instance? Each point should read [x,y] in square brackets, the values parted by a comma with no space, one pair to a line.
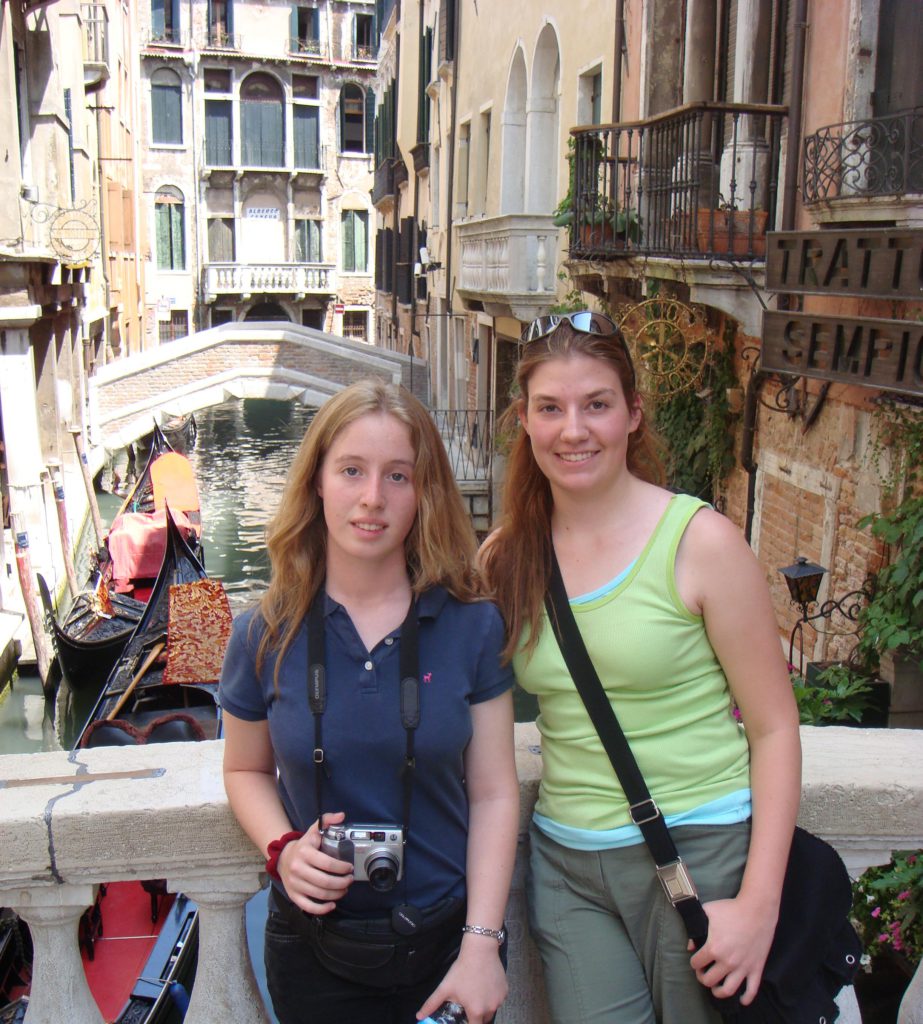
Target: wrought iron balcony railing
[698,182]
[468,437]
[218,38]
[881,156]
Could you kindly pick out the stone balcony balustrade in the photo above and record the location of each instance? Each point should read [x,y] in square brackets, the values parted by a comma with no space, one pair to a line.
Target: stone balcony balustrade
[246,279]
[509,263]
[70,821]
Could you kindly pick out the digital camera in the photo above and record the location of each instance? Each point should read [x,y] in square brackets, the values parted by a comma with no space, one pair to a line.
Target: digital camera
[375,851]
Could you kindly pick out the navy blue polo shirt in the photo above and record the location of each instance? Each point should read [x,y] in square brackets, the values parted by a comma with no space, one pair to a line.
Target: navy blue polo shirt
[364,739]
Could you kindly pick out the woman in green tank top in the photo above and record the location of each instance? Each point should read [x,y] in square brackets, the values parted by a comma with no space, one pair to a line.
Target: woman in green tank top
[675,613]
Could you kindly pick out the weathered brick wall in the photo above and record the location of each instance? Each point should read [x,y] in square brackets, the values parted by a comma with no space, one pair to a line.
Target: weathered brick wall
[813,485]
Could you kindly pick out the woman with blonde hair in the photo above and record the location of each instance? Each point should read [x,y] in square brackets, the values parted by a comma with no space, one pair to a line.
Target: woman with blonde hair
[368,724]
[675,615]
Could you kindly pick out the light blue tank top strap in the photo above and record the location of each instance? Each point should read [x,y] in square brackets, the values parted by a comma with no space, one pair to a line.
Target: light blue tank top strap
[606,588]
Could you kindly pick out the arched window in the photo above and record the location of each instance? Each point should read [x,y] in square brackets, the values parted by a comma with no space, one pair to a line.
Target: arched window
[166,107]
[170,229]
[262,117]
[357,119]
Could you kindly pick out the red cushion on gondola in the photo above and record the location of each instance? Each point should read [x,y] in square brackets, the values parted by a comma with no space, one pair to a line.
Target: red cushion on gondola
[138,540]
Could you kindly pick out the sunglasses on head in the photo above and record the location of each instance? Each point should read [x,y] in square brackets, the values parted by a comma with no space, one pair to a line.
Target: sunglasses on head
[584,321]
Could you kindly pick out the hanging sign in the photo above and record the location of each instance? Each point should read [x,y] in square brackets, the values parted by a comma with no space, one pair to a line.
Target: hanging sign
[884,263]
[869,352]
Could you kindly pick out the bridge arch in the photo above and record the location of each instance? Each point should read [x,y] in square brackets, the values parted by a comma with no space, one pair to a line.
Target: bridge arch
[235,360]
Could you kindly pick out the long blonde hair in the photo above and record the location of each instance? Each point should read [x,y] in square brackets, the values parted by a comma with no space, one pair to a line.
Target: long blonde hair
[517,558]
[440,547]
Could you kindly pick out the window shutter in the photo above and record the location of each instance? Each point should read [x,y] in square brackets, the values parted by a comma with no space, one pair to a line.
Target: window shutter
[293,29]
[362,241]
[162,230]
[306,125]
[174,20]
[341,106]
[370,120]
[229,15]
[158,18]
[218,133]
[315,253]
[177,236]
[349,241]
[314,29]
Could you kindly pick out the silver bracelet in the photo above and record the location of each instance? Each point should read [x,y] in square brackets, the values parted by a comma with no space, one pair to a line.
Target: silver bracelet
[492,933]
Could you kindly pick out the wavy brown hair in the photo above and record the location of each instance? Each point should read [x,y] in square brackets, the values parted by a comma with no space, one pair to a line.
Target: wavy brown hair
[516,560]
[440,548]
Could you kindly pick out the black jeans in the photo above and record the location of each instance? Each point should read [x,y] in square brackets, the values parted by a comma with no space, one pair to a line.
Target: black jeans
[303,991]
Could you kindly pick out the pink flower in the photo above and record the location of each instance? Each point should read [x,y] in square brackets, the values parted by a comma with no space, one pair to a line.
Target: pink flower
[876,912]
[905,895]
[883,937]
[912,859]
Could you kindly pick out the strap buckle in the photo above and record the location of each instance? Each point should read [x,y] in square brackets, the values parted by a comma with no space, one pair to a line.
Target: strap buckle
[644,812]
[676,881]
[319,755]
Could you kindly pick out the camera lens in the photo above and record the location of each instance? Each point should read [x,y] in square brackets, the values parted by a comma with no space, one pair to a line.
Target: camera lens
[382,872]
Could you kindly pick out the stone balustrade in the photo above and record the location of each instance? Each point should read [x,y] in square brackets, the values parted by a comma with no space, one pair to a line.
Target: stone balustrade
[70,821]
[510,260]
[245,279]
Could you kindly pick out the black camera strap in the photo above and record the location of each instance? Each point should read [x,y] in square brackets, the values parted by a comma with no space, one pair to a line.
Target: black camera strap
[410,696]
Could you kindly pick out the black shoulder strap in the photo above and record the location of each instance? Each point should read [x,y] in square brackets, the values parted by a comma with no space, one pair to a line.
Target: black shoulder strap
[410,695]
[644,812]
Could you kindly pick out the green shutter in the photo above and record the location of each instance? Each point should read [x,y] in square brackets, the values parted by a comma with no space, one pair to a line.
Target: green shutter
[218,133]
[158,19]
[361,241]
[300,241]
[370,120]
[349,241]
[293,29]
[177,236]
[314,238]
[306,127]
[162,227]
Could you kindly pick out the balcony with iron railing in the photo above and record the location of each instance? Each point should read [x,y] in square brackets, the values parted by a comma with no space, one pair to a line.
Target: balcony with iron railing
[310,49]
[246,279]
[876,159]
[217,37]
[699,183]
[468,437]
[509,261]
[70,822]
[95,45]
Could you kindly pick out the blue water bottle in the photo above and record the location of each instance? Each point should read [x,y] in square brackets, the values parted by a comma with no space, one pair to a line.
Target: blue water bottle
[448,1013]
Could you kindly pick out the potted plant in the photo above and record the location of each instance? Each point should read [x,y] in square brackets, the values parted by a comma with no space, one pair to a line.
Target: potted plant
[727,229]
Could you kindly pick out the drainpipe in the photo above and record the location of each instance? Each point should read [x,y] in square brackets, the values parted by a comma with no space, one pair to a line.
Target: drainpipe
[450,175]
[789,195]
[617,61]
[395,219]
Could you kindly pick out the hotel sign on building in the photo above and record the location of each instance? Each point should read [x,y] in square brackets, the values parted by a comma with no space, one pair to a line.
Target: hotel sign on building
[875,263]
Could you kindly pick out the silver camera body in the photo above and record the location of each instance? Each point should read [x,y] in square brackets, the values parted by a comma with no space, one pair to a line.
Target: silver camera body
[375,851]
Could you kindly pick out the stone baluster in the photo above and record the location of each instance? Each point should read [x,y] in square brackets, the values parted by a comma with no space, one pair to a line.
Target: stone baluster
[541,258]
[225,987]
[59,986]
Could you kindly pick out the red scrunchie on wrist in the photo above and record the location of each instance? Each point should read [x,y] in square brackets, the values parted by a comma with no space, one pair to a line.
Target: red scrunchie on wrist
[275,849]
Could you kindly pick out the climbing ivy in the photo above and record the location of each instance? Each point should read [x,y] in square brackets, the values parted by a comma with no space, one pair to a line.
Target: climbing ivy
[695,427]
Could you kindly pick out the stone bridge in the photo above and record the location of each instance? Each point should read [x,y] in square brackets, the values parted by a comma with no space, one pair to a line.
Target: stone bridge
[236,360]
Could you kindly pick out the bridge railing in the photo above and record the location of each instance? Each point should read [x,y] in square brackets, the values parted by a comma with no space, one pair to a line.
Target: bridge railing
[69,822]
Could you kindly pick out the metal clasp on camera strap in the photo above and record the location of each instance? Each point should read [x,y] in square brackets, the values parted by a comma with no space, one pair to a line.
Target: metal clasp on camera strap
[676,881]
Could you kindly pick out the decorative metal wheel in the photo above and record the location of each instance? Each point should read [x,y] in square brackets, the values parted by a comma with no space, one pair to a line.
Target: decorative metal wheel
[669,342]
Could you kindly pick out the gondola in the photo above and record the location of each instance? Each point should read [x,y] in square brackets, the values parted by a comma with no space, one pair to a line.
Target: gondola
[90,637]
[179,431]
[138,705]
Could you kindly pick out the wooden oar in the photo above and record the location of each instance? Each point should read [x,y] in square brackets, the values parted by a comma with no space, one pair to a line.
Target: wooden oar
[139,675]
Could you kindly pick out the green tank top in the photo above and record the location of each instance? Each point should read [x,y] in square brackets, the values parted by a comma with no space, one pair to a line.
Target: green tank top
[665,684]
